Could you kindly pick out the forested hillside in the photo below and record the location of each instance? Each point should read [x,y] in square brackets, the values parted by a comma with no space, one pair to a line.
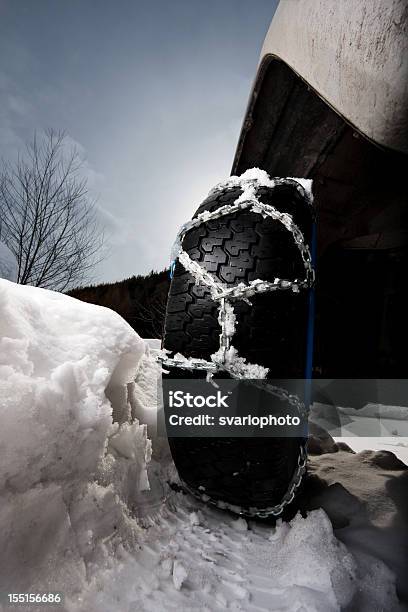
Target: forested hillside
[140,300]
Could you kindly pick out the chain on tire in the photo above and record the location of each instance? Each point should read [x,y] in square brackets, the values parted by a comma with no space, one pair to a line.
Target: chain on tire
[226,359]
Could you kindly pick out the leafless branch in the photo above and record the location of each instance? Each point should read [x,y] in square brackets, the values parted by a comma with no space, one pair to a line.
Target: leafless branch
[47,218]
[152,315]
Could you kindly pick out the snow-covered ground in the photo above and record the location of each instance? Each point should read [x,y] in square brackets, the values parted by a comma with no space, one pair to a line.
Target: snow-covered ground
[397,445]
[77,514]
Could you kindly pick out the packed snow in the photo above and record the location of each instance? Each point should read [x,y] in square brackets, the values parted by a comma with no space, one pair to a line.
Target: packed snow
[258,177]
[86,508]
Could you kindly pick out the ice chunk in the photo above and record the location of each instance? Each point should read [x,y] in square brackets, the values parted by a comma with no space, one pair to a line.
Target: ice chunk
[179,574]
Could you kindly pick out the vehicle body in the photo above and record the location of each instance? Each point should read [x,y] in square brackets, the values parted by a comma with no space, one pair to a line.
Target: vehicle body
[330,103]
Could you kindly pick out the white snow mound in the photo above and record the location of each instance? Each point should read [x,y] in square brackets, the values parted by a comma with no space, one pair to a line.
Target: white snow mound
[68,474]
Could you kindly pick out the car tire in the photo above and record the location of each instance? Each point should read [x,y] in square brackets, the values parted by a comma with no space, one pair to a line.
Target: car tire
[247,475]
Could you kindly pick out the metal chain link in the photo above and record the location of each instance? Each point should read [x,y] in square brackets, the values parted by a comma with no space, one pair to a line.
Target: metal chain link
[260,512]
[221,293]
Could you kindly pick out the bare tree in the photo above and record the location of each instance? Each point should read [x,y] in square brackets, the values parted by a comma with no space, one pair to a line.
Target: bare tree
[151,316]
[47,219]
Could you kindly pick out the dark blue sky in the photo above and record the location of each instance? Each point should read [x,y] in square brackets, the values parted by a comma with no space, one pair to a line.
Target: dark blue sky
[153,94]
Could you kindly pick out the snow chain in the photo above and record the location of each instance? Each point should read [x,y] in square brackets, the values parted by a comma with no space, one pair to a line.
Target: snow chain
[226,359]
[260,512]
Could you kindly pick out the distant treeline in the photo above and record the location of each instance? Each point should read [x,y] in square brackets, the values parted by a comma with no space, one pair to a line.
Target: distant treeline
[140,300]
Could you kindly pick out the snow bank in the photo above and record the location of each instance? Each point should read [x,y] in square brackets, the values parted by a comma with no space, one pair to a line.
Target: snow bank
[68,474]
[364,494]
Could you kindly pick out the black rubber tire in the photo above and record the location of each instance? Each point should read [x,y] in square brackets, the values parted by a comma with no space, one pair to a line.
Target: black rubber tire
[247,472]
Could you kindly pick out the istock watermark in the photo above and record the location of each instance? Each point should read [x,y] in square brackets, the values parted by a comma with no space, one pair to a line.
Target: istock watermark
[235,421]
[230,408]
[194,407]
[178,399]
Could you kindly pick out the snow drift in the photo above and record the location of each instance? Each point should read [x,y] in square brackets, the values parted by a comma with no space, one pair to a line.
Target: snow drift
[68,474]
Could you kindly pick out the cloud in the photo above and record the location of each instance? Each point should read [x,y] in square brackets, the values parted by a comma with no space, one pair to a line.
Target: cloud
[152,98]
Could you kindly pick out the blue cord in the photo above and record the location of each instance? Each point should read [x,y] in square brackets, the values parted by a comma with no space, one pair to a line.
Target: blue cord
[310,327]
[172,266]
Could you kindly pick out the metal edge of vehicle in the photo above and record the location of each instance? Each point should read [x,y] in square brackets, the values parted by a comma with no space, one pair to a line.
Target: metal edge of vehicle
[354,55]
